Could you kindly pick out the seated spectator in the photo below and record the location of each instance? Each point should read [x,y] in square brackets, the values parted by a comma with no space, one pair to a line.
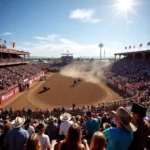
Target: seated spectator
[44,139]
[121,137]
[141,135]
[33,142]
[73,139]
[16,138]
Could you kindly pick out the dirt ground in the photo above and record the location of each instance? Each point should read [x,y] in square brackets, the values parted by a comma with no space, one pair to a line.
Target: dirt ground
[61,93]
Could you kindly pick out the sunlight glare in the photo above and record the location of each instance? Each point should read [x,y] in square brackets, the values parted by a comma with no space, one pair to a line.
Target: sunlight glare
[124,5]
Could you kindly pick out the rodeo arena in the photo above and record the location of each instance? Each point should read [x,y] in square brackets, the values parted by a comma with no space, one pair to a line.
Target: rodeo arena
[74,105]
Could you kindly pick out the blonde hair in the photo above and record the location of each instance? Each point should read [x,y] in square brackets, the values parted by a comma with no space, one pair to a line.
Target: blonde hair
[33,142]
[98,141]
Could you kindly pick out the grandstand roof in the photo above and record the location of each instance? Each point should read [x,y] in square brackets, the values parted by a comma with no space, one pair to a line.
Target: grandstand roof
[133,52]
[12,51]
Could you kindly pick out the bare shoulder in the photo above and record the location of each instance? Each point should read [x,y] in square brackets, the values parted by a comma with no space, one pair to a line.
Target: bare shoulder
[82,147]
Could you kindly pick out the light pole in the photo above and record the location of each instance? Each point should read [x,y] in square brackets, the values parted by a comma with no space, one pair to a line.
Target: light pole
[100,46]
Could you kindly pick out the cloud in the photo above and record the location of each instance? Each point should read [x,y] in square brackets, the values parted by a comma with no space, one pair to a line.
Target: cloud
[51,37]
[6,33]
[85,15]
[129,21]
[65,41]
[55,49]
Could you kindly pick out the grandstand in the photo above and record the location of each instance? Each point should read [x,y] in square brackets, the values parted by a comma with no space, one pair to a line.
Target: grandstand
[15,72]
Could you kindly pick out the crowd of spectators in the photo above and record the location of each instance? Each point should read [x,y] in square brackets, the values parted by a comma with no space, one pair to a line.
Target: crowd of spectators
[11,60]
[103,129]
[12,75]
[134,74]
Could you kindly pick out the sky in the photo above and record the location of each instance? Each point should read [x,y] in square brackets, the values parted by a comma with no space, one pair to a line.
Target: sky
[51,27]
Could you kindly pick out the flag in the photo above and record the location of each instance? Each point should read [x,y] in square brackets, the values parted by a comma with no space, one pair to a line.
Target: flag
[5,42]
[0,40]
[148,44]
[140,45]
[125,47]
[133,46]
[13,44]
[129,47]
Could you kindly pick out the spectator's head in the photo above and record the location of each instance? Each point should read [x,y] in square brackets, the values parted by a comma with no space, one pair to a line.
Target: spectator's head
[106,125]
[51,119]
[74,135]
[89,114]
[138,111]
[123,119]
[18,122]
[98,141]
[33,142]
[7,127]
[65,117]
[27,123]
[41,128]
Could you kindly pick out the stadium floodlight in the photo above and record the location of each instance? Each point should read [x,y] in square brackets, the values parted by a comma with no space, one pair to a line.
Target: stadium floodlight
[100,46]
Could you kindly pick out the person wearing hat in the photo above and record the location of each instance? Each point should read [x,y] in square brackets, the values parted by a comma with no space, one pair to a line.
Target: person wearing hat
[28,127]
[66,123]
[141,135]
[16,138]
[120,138]
[52,129]
[44,139]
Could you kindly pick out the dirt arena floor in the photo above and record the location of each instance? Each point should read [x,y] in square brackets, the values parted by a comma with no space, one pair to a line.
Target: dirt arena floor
[61,93]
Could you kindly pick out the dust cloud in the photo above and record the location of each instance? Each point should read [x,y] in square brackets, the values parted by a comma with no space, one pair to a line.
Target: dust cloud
[91,72]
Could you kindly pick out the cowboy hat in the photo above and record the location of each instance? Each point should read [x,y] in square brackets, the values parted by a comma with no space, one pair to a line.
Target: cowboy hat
[125,118]
[28,121]
[41,126]
[65,117]
[18,122]
[51,119]
[139,109]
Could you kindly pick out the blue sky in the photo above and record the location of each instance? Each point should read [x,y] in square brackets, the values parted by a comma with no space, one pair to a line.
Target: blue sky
[50,27]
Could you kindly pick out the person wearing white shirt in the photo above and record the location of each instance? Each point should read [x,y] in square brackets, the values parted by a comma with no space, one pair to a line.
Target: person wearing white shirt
[30,130]
[65,118]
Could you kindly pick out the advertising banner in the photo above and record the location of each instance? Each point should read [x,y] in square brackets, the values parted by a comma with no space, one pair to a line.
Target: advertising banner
[130,91]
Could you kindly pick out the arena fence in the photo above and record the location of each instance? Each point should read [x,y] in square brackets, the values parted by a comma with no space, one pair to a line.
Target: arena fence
[126,89]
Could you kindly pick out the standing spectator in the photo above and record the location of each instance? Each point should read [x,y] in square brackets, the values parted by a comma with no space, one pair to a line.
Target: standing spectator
[92,125]
[141,135]
[121,137]
[33,142]
[65,118]
[73,139]
[16,138]
[52,129]
[6,128]
[44,139]
[105,119]
[28,127]
[98,142]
